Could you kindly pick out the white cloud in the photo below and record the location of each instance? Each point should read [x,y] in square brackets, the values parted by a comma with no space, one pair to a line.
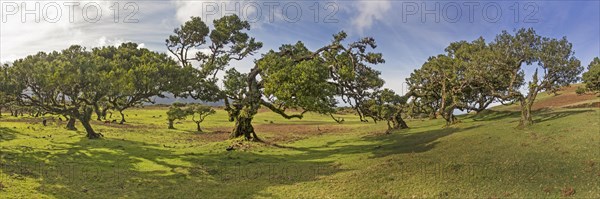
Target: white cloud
[104,41]
[19,39]
[210,10]
[369,12]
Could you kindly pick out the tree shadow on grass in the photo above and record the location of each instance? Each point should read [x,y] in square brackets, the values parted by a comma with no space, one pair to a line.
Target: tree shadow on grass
[413,142]
[7,134]
[112,168]
[541,115]
[382,145]
[546,115]
[489,115]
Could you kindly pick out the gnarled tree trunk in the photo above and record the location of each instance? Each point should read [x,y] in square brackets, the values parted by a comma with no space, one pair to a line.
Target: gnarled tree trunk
[243,127]
[171,124]
[122,117]
[98,112]
[104,110]
[399,123]
[396,122]
[91,134]
[526,119]
[448,115]
[71,123]
[527,102]
[85,118]
[243,116]
[198,127]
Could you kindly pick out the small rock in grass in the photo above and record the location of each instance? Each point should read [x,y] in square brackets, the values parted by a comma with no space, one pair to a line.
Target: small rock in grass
[230,148]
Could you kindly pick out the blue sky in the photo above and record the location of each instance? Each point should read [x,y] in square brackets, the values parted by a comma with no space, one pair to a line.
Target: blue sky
[407,32]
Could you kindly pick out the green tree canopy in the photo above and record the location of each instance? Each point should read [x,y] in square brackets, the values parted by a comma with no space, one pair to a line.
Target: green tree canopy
[74,81]
[199,112]
[293,77]
[65,83]
[473,75]
[554,58]
[386,105]
[176,112]
[591,78]
[137,75]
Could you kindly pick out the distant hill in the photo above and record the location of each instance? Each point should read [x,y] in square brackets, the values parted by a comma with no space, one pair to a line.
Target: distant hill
[169,99]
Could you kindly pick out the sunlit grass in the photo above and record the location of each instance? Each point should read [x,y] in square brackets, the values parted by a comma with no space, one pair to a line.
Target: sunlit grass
[483,156]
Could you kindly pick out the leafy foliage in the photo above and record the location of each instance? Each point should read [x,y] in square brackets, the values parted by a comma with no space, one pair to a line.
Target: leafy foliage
[473,75]
[136,75]
[591,78]
[227,41]
[180,111]
[387,105]
[176,112]
[293,77]
[199,113]
[74,81]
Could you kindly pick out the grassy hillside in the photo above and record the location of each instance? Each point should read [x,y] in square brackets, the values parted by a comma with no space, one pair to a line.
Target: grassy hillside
[564,98]
[484,156]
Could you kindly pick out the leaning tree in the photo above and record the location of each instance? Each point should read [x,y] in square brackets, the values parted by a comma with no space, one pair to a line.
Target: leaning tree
[456,80]
[293,77]
[296,78]
[473,75]
[511,53]
[386,105]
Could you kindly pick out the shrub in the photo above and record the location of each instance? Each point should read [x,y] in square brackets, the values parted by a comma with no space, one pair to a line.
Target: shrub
[580,90]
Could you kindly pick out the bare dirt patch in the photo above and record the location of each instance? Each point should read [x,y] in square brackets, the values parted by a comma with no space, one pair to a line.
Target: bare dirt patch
[585,105]
[285,133]
[566,96]
[276,133]
[122,126]
[214,136]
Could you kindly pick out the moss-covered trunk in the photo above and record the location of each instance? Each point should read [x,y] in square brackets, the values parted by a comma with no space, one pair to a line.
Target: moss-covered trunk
[527,102]
[526,118]
[396,122]
[243,127]
[244,112]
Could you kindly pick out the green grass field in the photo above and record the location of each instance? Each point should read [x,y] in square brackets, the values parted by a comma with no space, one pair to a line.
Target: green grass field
[484,156]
